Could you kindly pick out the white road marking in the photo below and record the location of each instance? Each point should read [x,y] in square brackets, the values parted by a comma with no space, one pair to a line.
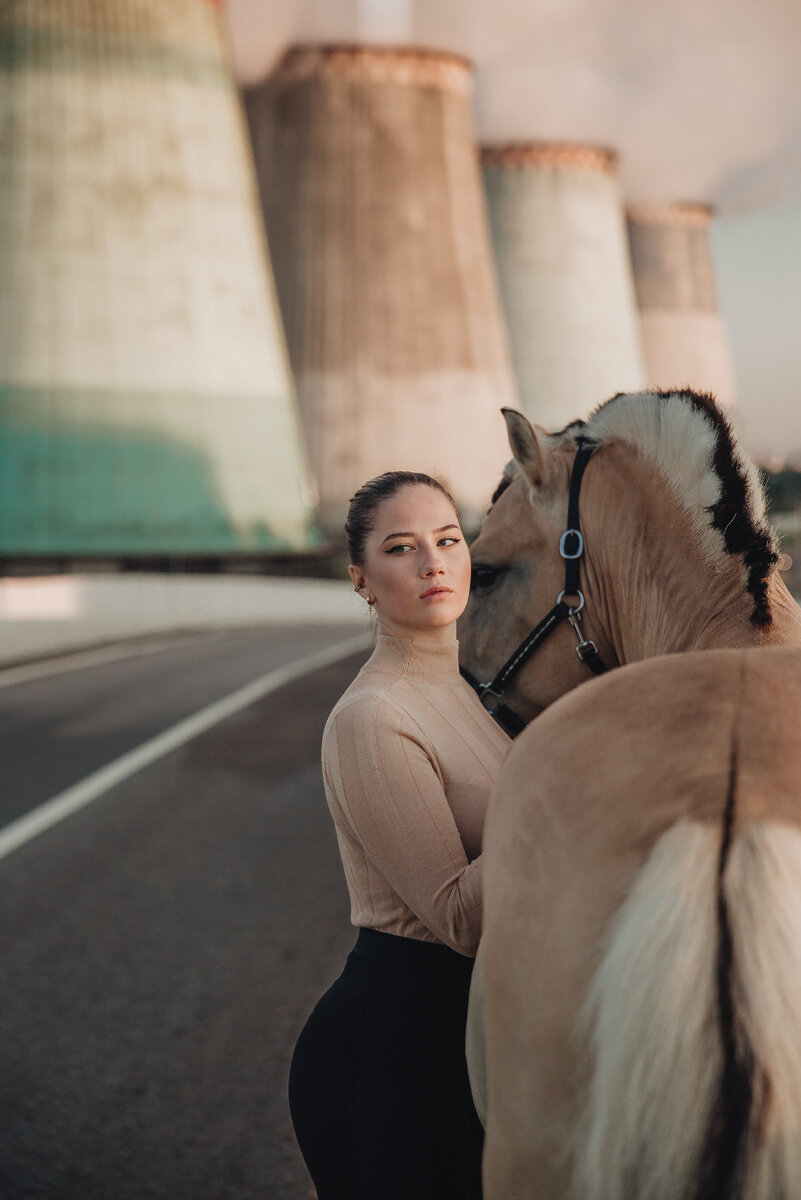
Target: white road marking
[52,811]
[81,659]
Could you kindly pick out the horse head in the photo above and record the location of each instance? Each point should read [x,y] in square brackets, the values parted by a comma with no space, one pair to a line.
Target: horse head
[677,552]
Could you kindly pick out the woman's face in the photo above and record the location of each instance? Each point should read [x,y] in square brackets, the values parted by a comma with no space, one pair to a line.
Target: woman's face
[416,565]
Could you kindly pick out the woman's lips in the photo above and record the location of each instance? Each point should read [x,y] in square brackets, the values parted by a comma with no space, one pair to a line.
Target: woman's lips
[436,591]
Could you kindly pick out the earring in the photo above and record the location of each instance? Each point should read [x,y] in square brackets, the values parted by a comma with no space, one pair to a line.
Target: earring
[371,601]
[357,587]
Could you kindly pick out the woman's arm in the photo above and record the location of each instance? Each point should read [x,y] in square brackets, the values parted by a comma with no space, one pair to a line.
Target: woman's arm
[385,779]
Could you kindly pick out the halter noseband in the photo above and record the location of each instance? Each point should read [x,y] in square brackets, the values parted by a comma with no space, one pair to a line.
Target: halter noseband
[571,548]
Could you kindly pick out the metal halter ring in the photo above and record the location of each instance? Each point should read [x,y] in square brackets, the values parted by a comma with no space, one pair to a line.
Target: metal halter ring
[578,607]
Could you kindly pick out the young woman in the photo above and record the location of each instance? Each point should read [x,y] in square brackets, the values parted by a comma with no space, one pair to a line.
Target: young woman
[378,1088]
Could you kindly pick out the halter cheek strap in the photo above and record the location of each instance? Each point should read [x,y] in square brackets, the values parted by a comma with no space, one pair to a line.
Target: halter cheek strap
[571,548]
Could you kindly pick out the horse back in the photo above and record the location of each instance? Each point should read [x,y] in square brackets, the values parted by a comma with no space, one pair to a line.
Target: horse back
[664,738]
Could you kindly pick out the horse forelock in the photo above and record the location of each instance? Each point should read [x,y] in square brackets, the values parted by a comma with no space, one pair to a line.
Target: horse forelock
[510,471]
[691,443]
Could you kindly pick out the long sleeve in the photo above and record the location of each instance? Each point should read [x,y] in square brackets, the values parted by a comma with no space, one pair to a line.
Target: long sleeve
[386,791]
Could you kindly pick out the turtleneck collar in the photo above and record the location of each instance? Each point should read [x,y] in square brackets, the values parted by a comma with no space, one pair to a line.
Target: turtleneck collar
[420,661]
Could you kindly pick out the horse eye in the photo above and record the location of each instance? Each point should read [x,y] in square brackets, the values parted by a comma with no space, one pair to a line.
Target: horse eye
[483,578]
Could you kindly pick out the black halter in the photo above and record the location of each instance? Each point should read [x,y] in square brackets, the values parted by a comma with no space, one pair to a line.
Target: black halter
[571,548]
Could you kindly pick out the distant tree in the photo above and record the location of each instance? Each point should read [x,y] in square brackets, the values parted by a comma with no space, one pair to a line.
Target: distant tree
[783,489]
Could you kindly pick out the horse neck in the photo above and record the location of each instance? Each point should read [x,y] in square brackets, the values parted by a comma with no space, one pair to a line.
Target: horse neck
[651,585]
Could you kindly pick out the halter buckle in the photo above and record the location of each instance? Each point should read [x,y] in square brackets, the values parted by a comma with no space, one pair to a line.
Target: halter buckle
[576,533]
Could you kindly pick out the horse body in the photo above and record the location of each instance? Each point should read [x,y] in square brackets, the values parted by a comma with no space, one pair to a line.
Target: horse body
[642,862]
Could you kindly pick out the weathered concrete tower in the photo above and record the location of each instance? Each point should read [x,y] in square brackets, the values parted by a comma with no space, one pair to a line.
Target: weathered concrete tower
[146,403]
[563,267]
[376,220]
[684,340]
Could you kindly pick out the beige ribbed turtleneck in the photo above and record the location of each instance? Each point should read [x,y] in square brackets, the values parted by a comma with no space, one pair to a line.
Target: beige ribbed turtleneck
[409,758]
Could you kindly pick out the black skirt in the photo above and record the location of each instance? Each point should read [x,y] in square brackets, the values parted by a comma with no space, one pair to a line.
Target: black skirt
[378,1087]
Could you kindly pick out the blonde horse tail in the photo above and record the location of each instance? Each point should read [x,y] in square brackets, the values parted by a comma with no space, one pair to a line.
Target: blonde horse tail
[695,1023]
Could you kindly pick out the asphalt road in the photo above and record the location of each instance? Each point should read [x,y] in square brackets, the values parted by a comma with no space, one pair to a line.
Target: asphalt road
[161,949]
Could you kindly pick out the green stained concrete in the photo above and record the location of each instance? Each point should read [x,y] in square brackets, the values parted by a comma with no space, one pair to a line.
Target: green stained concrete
[79,486]
[24,48]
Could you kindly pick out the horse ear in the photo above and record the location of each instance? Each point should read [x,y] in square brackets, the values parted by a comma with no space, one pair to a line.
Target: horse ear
[528,447]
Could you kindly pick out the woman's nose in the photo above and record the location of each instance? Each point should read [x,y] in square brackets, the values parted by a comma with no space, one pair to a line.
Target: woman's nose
[433,564]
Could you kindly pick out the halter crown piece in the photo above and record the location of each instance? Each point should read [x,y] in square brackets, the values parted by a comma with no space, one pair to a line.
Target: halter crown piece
[571,548]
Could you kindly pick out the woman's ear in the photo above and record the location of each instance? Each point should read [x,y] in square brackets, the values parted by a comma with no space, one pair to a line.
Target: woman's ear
[527,444]
[356,577]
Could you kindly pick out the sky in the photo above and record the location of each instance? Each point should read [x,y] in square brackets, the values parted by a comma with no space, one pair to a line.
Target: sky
[702,100]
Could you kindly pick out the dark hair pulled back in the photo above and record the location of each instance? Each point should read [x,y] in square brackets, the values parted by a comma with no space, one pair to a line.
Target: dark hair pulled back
[360,520]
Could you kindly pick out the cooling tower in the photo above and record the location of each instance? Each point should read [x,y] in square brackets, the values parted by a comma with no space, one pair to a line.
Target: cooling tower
[375,216]
[563,266]
[146,401]
[684,341]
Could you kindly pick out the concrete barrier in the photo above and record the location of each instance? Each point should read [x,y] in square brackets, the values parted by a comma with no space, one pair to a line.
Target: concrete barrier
[61,613]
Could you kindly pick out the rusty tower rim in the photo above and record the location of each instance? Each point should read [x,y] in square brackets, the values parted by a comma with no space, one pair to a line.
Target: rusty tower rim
[580,156]
[687,213]
[414,66]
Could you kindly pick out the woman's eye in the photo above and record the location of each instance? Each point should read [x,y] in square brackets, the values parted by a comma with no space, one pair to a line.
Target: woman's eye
[483,578]
[399,548]
[449,541]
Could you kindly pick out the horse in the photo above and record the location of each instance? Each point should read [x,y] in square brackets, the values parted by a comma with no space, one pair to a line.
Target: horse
[634,1030]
